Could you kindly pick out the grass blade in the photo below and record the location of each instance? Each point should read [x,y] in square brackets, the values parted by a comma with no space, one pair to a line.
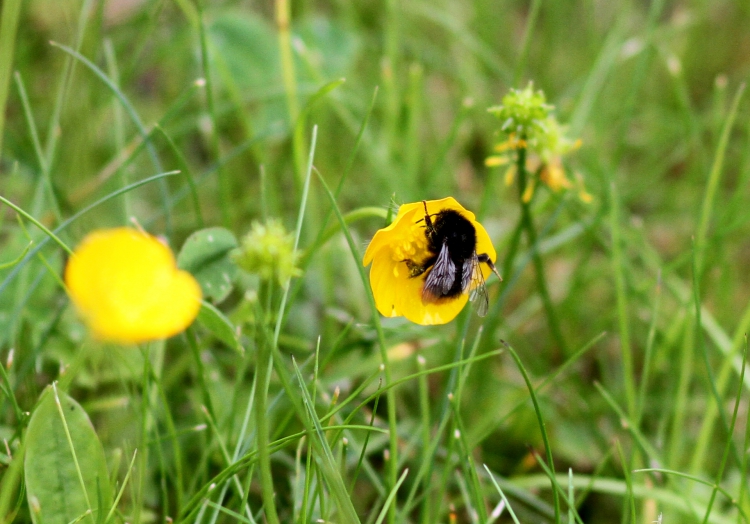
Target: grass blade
[323,450]
[390,394]
[542,428]
[11,12]
[166,204]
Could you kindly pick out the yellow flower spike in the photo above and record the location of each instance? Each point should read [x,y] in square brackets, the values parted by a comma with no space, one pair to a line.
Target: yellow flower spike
[398,283]
[512,143]
[528,122]
[583,195]
[126,286]
[494,161]
[510,175]
[553,175]
[529,191]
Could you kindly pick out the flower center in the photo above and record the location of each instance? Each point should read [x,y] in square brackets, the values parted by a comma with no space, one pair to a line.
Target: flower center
[411,246]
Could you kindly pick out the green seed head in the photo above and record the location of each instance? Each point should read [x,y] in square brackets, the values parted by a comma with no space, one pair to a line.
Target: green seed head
[523,112]
[268,251]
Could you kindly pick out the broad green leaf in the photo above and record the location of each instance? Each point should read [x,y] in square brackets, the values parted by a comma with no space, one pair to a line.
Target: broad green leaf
[205,254]
[54,487]
[219,325]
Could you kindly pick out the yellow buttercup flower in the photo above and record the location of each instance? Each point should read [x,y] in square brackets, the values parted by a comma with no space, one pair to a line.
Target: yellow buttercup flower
[427,263]
[126,286]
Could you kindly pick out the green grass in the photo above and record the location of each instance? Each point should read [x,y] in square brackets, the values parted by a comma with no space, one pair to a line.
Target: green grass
[623,396]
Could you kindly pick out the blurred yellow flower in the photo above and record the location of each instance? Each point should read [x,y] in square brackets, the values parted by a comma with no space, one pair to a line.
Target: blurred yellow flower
[404,258]
[553,175]
[126,286]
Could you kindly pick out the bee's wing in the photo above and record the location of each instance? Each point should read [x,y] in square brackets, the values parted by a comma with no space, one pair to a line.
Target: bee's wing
[473,277]
[440,279]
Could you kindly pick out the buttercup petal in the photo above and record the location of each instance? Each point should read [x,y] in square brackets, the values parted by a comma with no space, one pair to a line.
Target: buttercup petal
[386,236]
[127,288]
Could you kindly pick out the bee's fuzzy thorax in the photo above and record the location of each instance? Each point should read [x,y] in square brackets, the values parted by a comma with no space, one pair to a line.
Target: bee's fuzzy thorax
[452,228]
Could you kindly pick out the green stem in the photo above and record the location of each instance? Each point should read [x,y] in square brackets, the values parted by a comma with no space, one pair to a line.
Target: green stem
[528,32]
[541,281]
[424,408]
[542,429]
[628,368]
[510,258]
[11,14]
[7,388]
[261,399]
[224,185]
[283,13]
[38,224]
[390,393]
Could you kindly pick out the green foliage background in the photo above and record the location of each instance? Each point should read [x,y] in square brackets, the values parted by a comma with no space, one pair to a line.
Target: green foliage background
[657,262]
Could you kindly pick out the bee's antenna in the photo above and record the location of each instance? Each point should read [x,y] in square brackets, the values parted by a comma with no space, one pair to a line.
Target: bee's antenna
[427,219]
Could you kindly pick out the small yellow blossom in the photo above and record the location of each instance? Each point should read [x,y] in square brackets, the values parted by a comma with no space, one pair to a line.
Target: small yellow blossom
[494,161]
[394,252]
[510,175]
[528,192]
[512,143]
[126,286]
[553,175]
[583,195]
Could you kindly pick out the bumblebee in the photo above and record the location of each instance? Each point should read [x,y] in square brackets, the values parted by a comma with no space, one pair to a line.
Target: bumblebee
[453,265]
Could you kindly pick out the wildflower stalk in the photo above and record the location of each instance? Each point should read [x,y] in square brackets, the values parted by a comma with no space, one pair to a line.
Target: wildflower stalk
[269,252]
[263,367]
[531,131]
[283,12]
[542,430]
[626,349]
[510,257]
[224,190]
[528,225]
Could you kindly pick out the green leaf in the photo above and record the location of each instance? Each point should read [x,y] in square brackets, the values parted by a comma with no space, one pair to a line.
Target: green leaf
[205,254]
[61,486]
[219,325]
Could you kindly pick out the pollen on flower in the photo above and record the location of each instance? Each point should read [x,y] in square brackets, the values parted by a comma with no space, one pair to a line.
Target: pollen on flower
[126,286]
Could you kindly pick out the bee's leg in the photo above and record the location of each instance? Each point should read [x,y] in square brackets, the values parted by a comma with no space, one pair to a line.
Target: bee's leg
[414,269]
[485,258]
